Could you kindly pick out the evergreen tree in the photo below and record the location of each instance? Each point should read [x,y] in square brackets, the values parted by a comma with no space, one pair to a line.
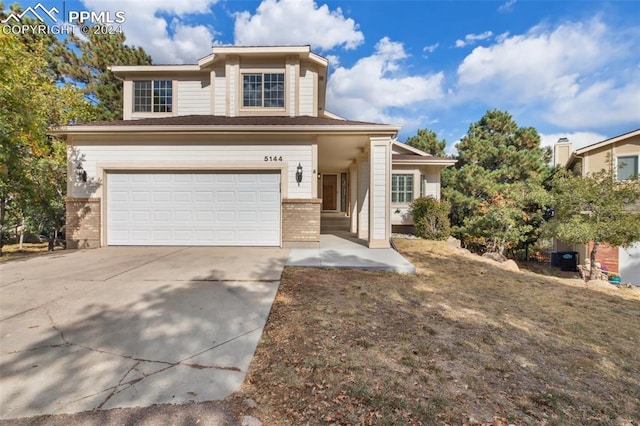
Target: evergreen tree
[88,65]
[427,141]
[495,190]
[47,45]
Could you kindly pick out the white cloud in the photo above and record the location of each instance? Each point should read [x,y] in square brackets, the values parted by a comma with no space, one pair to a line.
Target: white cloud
[378,84]
[473,38]
[599,104]
[144,27]
[506,6]
[297,22]
[569,75]
[577,139]
[502,37]
[431,48]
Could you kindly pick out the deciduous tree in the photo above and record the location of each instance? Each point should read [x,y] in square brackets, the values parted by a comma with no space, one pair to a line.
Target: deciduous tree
[595,208]
[24,88]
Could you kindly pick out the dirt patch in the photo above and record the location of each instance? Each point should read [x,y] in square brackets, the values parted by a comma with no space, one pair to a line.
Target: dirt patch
[461,342]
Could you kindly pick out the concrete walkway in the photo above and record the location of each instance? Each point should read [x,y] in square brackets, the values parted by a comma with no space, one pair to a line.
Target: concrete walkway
[342,250]
[130,326]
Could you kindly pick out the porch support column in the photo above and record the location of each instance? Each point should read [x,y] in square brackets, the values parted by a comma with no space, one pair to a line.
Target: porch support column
[363,197]
[353,198]
[379,192]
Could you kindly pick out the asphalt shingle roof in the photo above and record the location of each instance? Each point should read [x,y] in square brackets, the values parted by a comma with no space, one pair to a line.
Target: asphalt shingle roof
[214,120]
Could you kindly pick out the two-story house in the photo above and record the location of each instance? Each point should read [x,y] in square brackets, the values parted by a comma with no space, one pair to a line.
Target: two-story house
[623,154]
[237,149]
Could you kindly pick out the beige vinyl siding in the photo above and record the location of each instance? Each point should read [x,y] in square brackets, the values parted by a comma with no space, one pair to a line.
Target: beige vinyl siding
[220,90]
[598,159]
[290,93]
[232,85]
[306,92]
[194,97]
[399,213]
[379,182]
[432,185]
[167,153]
[363,199]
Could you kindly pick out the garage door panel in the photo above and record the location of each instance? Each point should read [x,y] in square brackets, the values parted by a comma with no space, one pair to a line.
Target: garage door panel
[270,197]
[193,209]
[182,197]
[225,197]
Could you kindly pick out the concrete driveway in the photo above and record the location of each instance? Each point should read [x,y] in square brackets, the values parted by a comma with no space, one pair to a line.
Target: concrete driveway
[130,326]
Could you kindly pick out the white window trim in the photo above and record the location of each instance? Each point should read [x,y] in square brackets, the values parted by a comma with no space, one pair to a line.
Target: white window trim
[413,188]
[637,156]
[150,114]
[244,110]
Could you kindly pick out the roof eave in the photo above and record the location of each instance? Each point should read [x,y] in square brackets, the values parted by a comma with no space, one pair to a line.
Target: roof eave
[615,139]
[272,129]
[425,161]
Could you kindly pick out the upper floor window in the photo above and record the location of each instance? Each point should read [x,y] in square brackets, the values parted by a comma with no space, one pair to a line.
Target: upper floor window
[627,167]
[401,189]
[263,90]
[152,96]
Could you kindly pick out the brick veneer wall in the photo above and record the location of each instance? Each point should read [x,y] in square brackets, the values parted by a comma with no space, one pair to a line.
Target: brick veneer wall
[83,223]
[607,256]
[301,220]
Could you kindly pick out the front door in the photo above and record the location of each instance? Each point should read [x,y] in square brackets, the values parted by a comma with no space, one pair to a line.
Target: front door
[329,192]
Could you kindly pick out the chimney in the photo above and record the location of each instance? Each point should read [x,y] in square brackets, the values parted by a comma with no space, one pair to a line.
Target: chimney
[561,152]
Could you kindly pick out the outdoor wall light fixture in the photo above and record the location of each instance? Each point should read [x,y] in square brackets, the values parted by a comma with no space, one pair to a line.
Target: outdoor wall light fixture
[299,174]
[81,174]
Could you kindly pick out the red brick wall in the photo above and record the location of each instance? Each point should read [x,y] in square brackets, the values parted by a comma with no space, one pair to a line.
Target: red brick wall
[83,223]
[301,220]
[607,256]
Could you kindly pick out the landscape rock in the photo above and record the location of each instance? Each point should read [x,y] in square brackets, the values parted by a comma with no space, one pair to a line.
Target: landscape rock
[250,421]
[510,265]
[453,242]
[497,257]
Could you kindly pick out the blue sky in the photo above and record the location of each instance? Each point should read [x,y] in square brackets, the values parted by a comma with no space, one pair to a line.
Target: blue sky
[568,68]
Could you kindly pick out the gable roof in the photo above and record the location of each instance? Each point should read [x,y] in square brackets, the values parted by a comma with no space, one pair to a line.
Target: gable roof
[607,142]
[416,156]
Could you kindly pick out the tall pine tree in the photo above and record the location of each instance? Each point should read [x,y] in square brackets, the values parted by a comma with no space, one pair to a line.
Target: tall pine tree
[427,141]
[495,189]
[88,65]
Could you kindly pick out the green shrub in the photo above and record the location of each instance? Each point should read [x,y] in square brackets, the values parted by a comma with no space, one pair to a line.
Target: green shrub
[431,218]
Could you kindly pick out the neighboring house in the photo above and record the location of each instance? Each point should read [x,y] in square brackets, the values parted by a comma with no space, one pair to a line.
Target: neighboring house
[623,153]
[236,150]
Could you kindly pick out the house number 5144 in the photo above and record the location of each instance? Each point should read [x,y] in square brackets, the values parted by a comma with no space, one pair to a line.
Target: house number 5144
[273,158]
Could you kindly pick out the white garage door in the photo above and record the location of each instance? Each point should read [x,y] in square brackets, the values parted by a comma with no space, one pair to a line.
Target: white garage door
[223,209]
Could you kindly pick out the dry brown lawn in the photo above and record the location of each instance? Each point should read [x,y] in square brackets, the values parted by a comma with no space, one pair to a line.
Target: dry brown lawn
[13,251]
[462,342]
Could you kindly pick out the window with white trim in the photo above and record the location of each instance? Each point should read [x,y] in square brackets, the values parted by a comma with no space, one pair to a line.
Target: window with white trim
[263,90]
[153,96]
[627,167]
[401,189]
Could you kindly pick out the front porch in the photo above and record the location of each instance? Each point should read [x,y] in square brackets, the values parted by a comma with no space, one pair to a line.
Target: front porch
[353,185]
